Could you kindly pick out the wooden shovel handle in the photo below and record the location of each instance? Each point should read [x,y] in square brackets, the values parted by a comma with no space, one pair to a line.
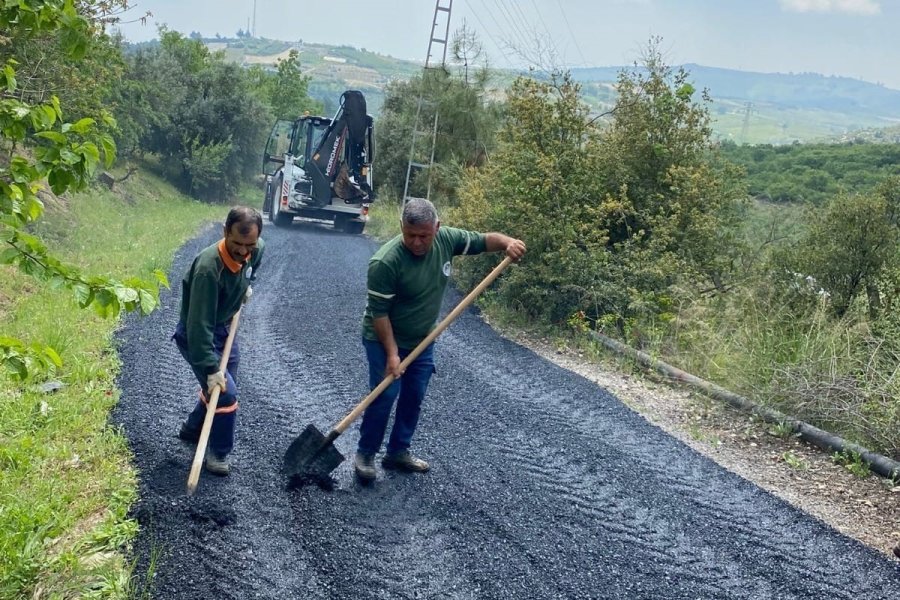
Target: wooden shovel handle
[211,405]
[463,305]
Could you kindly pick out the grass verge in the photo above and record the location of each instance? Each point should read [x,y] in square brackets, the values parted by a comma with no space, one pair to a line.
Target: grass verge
[384,218]
[66,480]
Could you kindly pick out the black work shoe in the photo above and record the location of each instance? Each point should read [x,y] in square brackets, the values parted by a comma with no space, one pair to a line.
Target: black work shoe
[404,461]
[188,434]
[217,465]
[364,467]
[897,550]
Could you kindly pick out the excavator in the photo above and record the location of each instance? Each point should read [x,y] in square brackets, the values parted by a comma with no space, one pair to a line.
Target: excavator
[320,168]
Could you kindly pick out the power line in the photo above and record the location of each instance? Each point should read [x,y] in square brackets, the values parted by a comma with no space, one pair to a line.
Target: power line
[526,26]
[523,40]
[572,33]
[500,46]
[488,32]
[544,23]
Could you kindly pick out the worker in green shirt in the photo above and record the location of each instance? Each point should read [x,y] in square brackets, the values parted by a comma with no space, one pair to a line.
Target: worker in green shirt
[212,291]
[406,281]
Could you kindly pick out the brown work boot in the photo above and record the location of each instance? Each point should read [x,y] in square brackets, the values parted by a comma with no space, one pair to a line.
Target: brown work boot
[404,461]
[217,465]
[364,467]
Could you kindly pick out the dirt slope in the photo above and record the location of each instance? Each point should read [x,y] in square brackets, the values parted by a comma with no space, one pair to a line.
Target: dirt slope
[543,484]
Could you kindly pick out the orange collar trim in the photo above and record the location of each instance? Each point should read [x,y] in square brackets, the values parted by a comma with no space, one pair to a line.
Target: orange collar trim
[230,264]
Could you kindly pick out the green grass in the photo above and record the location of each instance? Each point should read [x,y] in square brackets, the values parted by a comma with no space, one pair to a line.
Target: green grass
[384,218]
[66,479]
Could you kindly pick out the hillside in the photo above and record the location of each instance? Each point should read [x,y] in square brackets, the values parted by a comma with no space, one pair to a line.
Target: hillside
[783,107]
[333,69]
[748,107]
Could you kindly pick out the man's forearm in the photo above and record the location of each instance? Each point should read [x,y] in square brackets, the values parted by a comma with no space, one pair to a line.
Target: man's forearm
[496,242]
[385,334]
[499,242]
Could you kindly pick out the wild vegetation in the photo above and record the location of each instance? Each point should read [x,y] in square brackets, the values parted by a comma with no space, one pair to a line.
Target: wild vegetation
[813,173]
[771,270]
[205,118]
[66,479]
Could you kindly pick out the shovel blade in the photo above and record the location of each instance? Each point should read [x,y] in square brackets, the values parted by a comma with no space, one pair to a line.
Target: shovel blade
[311,455]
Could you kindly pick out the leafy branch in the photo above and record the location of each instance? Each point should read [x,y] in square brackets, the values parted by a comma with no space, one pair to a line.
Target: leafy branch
[65,156]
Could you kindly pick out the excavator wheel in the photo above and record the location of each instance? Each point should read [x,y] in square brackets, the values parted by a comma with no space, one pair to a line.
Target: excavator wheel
[267,200]
[278,217]
[347,225]
[354,227]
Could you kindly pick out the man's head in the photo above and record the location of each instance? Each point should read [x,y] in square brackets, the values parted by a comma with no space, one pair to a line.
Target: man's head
[242,228]
[419,224]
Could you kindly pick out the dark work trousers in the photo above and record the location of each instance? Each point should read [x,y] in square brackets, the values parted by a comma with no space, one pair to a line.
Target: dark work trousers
[221,436]
[408,391]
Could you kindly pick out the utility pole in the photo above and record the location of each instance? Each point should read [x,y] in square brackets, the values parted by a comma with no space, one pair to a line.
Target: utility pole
[418,159]
[253,30]
[746,126]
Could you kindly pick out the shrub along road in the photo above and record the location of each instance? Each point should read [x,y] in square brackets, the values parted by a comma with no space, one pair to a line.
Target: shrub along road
[543,485]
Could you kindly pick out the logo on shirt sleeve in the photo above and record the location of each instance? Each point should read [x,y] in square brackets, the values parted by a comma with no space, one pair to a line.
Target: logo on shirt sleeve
[447,269]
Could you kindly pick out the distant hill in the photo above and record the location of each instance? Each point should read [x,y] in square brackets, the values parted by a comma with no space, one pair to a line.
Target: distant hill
[799,90]
[781,108]
[748,107]
[333,69]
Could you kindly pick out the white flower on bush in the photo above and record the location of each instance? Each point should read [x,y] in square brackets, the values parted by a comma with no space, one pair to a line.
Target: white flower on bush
[807,284]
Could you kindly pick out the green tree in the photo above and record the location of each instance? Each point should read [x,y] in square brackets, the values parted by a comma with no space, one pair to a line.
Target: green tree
[541,185]
[848,247]
[465,136]
[614,217]
[288,89]
[467,122]
[672,196]
[39,145]
[200,114]
[466,50]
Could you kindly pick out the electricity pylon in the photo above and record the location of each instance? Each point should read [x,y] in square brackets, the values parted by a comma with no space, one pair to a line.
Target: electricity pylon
[417,158]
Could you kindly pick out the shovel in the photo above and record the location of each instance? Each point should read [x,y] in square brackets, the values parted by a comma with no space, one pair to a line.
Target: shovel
[194,477]
[312,456]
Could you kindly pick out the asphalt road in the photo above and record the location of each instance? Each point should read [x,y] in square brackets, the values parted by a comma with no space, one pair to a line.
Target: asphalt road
[543,485]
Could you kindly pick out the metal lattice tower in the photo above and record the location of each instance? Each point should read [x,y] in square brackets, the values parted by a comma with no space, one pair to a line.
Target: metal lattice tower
[417,158]
[745,128]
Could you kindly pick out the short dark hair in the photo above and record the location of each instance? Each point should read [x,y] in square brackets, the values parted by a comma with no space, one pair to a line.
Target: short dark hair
[245,218]
[419,211]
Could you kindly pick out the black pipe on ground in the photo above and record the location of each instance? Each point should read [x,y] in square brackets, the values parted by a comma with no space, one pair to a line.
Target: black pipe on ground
[881,465]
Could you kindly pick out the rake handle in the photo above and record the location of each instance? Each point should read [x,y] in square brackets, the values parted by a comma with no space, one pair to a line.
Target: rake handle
[211,405]
[389,379]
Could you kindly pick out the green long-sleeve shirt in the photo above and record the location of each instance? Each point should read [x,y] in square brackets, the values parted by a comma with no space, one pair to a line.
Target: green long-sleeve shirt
[408,289]
[211,293]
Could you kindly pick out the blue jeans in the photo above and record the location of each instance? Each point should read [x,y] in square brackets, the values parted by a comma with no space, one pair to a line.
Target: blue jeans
[408,391]
[221,435]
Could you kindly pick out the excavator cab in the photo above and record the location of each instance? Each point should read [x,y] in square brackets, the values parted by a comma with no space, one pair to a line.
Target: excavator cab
[320,168]
[280,140]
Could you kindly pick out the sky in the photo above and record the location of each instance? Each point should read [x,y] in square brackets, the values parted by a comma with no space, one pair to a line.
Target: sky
[851,38]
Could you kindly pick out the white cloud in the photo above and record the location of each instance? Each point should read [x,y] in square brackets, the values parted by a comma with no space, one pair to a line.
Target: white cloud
[858,7]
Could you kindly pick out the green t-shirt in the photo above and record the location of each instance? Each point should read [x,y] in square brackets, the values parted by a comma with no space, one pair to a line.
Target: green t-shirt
[409,288]
[211,292]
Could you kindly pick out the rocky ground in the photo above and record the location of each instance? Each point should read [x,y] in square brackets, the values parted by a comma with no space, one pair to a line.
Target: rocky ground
[866,509]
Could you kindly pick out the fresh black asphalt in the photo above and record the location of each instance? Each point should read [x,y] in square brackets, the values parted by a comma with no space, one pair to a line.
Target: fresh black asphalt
[543,485]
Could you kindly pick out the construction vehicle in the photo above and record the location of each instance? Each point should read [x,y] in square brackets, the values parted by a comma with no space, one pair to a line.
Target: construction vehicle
[321,168]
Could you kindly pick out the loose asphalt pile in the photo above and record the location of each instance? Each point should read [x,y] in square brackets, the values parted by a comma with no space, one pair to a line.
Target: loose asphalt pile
[543,485]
